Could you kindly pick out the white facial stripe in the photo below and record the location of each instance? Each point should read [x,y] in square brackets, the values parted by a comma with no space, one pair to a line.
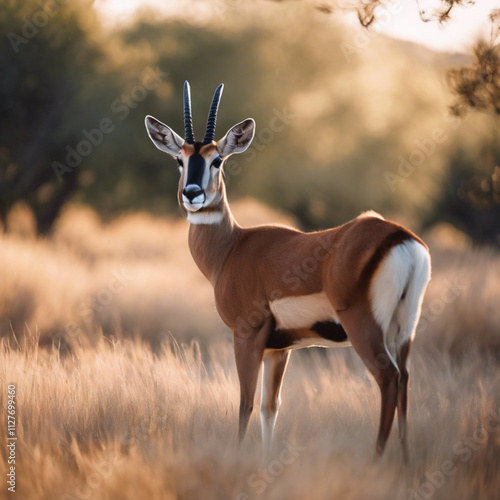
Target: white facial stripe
[208,170]
[206,175]
[303,311]
[184,169]
[205,217]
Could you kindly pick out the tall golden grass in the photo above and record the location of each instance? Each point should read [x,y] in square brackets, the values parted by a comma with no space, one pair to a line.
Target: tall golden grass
[149,409]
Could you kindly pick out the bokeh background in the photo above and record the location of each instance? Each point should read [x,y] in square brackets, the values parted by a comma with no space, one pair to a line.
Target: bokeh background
[123,369]
[346,119]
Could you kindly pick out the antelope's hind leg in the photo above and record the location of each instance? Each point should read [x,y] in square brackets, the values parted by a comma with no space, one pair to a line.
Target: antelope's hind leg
[402,360]
[274,367]
[367,340]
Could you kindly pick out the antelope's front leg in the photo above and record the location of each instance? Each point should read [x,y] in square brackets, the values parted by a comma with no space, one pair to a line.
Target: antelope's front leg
[272,379]
[249,350]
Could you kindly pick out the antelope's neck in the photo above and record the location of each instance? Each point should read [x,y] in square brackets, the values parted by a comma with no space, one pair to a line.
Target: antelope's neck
[212,233]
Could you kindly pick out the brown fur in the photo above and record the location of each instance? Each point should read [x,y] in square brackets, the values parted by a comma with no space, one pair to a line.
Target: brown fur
[222,253]
[251,267]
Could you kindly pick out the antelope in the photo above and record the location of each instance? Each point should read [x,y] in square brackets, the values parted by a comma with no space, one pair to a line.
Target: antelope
[278,289]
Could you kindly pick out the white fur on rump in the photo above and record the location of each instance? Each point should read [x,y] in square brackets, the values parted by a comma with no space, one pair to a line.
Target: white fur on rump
[405,270]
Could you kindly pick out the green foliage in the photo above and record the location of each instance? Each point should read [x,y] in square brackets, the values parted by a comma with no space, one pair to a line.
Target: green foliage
[48,59]
[470,198]
[477,86]
[337,116]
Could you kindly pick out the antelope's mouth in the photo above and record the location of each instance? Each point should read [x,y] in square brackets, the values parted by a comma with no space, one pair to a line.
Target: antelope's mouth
[191,206]
[193,197]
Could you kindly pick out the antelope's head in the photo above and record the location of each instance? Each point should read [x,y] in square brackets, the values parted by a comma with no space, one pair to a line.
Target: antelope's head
[201,185]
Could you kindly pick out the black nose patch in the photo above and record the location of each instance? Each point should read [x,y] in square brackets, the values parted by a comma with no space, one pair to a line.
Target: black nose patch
[192,191]
[195,170]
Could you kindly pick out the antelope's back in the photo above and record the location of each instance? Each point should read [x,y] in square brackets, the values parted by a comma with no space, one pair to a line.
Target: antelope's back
[362,246]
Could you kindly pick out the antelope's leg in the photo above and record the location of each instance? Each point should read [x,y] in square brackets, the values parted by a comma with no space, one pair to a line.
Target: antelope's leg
[388,383]
[402,361]
[368,341]
[249,351]
[272,378]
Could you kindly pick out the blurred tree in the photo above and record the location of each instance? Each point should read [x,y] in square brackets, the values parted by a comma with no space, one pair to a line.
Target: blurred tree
[470,199]
[477,86]
[367,10]
[328,126]
[49,56]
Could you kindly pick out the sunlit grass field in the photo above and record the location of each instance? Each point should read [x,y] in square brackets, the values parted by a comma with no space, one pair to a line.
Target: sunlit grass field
[134,392]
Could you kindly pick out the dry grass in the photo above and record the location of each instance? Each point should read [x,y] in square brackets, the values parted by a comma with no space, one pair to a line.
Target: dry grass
[116,419]
[66,287]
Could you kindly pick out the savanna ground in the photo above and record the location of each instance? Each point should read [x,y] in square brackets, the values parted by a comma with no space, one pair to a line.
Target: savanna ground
[133,393]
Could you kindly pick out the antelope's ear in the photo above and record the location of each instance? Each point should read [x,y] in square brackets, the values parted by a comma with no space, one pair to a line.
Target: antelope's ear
[237,139]
[163,137]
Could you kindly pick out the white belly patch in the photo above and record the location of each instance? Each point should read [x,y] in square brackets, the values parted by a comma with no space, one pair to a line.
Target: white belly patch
[303,311]
[318,342]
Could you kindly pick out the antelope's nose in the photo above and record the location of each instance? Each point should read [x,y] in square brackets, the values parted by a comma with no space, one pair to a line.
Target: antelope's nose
[192,192]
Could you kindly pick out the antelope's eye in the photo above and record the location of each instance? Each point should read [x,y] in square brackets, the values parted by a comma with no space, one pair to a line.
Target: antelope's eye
[179,161]
[217,162]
